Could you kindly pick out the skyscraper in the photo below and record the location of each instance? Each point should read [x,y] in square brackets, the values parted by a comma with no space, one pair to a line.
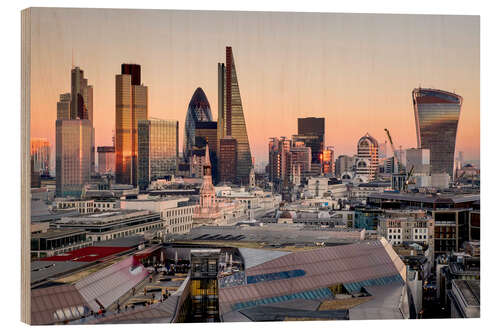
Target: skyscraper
[328,161]
[231,117]
[228,154]
[131,106]
[74,135]
[73,148]
[158,144]
[311,131]
[436,121]
[198,112]
[64,107]
[367,159]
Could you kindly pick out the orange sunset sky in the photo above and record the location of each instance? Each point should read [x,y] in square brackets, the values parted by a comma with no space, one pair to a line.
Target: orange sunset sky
[356,70]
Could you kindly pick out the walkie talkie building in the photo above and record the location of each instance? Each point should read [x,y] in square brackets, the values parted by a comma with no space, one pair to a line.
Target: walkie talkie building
[436,120]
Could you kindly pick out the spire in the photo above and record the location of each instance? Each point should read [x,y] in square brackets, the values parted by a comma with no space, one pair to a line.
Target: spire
[207,156]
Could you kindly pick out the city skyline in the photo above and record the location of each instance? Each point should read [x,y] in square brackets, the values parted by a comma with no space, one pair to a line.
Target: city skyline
[280,80]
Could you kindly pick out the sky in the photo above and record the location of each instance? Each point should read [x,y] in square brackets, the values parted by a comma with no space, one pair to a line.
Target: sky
[355,70]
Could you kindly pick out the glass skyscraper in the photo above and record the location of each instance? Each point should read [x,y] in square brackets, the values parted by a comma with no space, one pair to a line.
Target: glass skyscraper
[231,118]
[131,107]
[436,119]
[73,148]
[198,111]
[158,144]
[311,131]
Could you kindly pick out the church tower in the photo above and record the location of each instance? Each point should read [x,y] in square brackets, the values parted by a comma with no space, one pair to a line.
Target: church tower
[207,191]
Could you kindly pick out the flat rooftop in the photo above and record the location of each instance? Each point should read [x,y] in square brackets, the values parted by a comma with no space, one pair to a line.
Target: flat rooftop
[427,198]
[470,289]
[271,235]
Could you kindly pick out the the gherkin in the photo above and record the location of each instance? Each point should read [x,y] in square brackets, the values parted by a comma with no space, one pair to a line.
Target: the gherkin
[198,111]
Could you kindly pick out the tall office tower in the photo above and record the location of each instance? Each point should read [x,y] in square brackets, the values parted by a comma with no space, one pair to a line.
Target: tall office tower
[106,160]
[299,156]
[228,157]
[328,161]
[233,119]
[131,107]
[198,112]
[274,165]
[311,131]
[158,142]
[436,119]
[206,134]
[367,159]
[77,94]
[89,102]
[73,146]
[64,107]
[419,160]
[221,110]
[40,155]
[281,159]
[82,105]
[343,164]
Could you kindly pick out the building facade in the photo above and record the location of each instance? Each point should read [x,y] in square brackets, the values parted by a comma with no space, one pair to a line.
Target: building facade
[158,149]
[40,153]
[367,159]
[228,159]
[73,156]
[106,160]
[131,106]
[311,131]
[231,117]
[436,116]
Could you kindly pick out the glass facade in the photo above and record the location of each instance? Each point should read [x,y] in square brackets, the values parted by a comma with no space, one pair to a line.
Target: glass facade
[436,117]
[275,276]
[311,131]
[40,153]
[235,119]
[355,287]
[158,148]
[198,111]
[310,294]
[131,106]
[73,148]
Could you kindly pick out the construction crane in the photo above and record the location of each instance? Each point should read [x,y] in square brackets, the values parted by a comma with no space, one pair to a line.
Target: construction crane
[396,160]
[407,180]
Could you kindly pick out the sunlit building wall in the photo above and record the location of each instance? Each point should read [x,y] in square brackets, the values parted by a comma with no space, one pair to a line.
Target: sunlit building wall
[235,119]
[436,118]
[158,144]
[131,107]
[73,147]
[106,160]
[40,154]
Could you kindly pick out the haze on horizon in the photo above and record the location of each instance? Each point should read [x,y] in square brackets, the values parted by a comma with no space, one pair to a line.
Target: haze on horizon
[356,70]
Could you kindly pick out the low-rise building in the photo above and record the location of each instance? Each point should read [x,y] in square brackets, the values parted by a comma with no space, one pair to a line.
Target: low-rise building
[399,226]
[53,242]
[115,224]
[465,299]
[85,206]
[176,213]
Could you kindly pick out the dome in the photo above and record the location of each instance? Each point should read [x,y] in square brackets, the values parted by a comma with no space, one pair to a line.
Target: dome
[366,139]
